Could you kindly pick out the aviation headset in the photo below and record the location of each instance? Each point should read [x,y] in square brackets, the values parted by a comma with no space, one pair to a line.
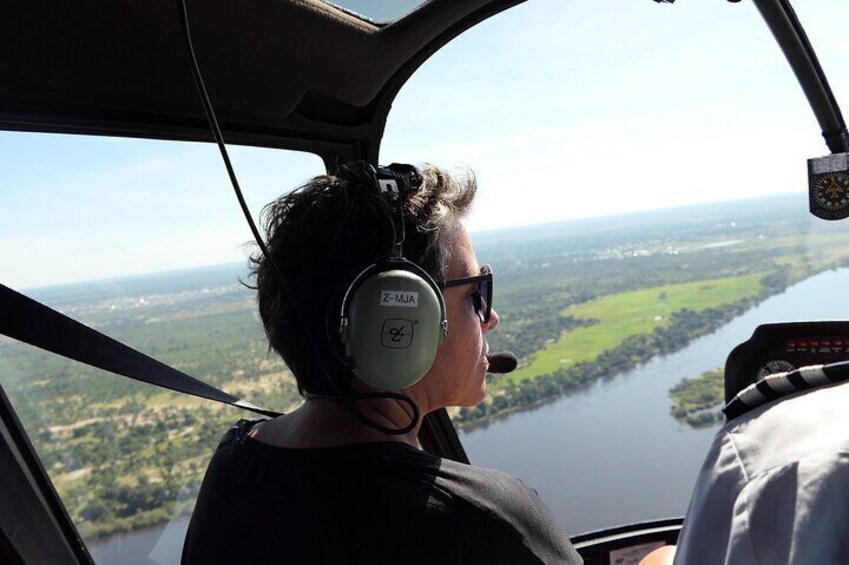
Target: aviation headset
[392,316]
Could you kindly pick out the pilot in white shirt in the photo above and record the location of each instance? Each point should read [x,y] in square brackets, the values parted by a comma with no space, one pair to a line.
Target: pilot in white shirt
[774,487]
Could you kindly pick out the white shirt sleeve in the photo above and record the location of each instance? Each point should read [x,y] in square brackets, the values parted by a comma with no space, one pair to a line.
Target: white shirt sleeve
[707,526]
[797,512]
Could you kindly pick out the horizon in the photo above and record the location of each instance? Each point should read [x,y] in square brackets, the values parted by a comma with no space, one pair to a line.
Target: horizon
[494,232]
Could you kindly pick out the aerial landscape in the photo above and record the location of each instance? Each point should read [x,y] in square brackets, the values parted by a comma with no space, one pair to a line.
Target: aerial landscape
[580,302]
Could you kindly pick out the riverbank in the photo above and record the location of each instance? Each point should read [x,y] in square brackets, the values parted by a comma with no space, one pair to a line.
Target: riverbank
[672,333]
[613,454]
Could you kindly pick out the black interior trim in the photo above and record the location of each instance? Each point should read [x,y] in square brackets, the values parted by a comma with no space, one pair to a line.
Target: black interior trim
[439,437]
[595,547]
[39,530]
[108,69]
[791,37]
[8,553]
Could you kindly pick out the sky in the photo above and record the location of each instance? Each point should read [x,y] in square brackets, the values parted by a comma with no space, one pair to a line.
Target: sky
[562,110]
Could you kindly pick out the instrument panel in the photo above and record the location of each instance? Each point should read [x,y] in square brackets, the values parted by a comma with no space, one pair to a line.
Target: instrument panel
[776,348]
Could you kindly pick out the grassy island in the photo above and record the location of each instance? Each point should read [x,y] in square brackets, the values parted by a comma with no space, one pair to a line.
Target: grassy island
[696,402]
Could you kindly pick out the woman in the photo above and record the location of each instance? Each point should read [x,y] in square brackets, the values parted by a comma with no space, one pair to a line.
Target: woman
[342,478]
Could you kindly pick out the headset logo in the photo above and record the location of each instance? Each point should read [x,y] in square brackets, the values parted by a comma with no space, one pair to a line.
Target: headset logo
[397,333]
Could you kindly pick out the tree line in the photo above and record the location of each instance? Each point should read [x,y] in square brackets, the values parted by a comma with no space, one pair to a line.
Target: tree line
[684,326]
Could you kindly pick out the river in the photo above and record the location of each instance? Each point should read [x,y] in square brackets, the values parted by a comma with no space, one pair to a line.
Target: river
[607,456]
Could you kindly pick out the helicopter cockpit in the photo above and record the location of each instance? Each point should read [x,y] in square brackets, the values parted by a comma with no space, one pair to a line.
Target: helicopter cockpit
[647,174]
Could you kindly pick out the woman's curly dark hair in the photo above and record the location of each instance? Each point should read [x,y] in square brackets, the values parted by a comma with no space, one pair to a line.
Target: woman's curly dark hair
[322,234]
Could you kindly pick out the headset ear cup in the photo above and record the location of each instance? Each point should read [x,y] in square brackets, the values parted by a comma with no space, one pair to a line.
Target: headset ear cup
[394,324]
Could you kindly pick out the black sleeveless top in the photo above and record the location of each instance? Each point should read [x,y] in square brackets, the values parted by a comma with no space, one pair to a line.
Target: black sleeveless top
[385,502]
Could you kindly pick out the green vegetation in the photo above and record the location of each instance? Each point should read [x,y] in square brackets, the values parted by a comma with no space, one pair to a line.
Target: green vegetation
[683,327]
[605,294]
[626,314]
[561,321]
[125,455]
[696,402]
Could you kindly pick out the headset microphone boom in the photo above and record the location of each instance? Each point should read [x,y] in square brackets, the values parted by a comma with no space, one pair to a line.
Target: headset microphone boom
[501,362]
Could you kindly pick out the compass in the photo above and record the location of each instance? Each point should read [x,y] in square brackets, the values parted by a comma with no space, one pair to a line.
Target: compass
[831,193]
[828,185]
[775,366]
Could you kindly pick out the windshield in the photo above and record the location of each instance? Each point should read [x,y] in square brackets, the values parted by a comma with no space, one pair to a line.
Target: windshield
[642,172]
[143,241]
[380,12]
[642,202]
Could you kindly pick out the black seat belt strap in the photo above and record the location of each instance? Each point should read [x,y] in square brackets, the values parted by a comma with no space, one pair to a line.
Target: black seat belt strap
[29,321]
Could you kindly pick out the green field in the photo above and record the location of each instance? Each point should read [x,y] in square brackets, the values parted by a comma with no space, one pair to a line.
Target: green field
[630,313]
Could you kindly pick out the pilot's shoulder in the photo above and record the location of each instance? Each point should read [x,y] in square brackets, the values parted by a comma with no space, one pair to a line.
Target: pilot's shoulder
[791,428]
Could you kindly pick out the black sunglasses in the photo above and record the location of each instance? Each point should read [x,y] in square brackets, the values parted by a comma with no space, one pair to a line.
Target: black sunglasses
[482,298]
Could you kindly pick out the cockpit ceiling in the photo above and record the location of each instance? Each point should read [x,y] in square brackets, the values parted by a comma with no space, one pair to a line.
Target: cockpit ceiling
[280,73]
[379,12]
